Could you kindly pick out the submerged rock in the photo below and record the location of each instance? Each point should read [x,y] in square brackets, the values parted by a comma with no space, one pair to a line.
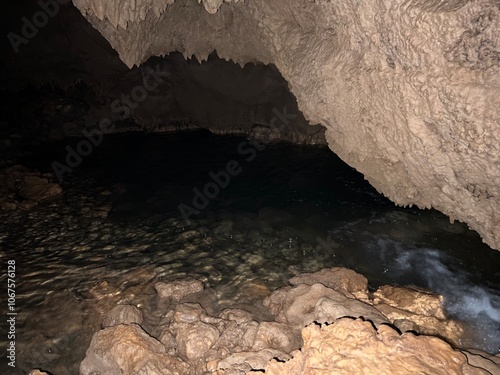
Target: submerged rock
[178,290]
[24,188]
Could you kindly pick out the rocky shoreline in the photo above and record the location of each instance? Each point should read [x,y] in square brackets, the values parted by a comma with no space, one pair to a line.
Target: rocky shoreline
[325,322]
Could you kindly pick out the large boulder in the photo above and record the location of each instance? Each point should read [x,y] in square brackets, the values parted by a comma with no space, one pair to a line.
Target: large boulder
[304,304]
[127,349]
[355,347]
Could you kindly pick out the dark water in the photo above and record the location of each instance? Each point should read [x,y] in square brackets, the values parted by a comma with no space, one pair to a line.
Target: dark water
[286,209]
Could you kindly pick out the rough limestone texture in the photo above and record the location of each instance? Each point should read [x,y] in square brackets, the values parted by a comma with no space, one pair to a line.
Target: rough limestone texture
[127,349]
[123,314]
[409,91]
[355,347]
[344,280]
[328,294]
[420,302]
[185,338]
[304,304]
[422,309]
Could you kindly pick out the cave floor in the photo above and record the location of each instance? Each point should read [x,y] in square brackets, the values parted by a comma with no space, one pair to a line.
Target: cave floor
[287,209]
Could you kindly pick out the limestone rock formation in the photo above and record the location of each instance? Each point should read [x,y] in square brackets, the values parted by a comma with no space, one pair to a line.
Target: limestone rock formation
[355,347]
[315,330]
[305,304]
[417,310]
[178,290]
[409,91]
[127,349]
[417,301]
[337,278]
[123,314]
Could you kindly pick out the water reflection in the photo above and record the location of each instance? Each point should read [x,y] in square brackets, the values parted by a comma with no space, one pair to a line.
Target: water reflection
[294,209]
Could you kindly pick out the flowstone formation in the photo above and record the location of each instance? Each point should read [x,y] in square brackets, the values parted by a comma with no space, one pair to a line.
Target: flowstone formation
[323,323]
[409,91]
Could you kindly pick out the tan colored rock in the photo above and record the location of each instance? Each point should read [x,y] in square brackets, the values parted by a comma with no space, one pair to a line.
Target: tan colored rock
[195,340]
[405,325]
[246,361]
[187,313]
[304,304]
[38,372]
[237,337]
[273,335]
[480,359]
[178,290]
[419,302]
[238,315]
[127,349]
[354,347]
[123,314]
[167,338]
[409,92]
[450,330]
[340,279]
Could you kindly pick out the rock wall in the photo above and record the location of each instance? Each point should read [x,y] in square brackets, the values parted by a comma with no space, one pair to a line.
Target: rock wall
[409,91]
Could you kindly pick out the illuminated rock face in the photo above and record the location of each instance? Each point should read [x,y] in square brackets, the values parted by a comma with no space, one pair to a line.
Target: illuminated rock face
[409,92]
[306,329]
[355,347]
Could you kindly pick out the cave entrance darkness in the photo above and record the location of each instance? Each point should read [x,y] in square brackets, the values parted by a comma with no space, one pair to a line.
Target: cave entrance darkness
[185,170]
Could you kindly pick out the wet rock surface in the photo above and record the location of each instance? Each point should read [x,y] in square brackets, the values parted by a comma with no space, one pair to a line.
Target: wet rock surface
[127,349]
[22,188]
[355,347]
[104,245]
[123,314]
[317,330]
[304,304]
[419,302]
[338,278]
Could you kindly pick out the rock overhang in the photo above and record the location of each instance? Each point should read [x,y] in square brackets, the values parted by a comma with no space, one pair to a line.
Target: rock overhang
[409,92]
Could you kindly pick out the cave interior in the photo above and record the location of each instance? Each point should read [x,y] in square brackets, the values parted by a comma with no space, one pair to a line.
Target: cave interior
[135,193]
